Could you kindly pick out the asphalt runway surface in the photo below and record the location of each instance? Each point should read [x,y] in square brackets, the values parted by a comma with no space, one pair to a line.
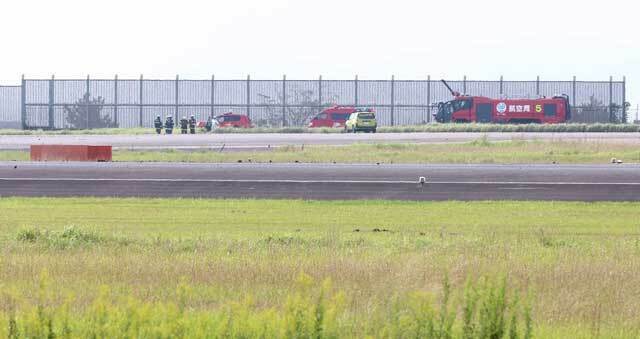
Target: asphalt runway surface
[265,141]
[612,182]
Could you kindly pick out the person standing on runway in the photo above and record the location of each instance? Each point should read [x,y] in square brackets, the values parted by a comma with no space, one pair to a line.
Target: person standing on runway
[184,125]
[192,125]
[168,125]
[158,124]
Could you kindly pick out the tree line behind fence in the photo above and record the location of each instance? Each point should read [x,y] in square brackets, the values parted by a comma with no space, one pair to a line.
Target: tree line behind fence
[98,103]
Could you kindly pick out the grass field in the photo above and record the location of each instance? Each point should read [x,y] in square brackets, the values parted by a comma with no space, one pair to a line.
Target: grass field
[434,128]
[187,267]
[97,131]
[479,151]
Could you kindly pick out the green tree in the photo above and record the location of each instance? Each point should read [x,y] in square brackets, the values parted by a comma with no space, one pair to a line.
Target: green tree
[87,113]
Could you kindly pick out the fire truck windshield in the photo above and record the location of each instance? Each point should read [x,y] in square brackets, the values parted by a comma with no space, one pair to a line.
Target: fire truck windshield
[445,109]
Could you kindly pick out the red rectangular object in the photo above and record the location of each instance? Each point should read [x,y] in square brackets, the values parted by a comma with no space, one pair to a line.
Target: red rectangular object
[70,153]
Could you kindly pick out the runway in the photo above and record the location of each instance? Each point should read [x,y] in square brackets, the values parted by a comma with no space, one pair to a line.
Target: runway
[323,181]
[262,141]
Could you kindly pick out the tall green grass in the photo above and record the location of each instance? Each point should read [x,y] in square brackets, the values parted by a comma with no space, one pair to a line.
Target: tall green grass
[485,309]
[511,128]
[96,131]
[557,269]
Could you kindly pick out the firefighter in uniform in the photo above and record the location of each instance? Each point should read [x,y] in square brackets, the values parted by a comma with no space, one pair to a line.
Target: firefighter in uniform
[212,123]
[209,125]
[184,125]
[158,124]
[192,124]
[168,125]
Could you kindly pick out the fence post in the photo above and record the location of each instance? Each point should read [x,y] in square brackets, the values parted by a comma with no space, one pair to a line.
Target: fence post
[23,99]
[284,100]
[88,95]
[464,85]
[538,86]
[177,98]
[624,99]
[248,96]
[140,100]
[356,91]
[51,101]
[393,81]
[428,99]
[501,85]
[213,94]
[611,117]
[573,91]
[115,101]
[320,93]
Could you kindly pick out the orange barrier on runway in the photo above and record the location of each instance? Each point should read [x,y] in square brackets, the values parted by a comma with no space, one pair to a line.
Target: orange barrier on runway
[70,153]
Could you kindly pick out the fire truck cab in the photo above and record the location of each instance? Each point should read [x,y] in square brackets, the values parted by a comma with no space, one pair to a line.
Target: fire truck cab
[478,109]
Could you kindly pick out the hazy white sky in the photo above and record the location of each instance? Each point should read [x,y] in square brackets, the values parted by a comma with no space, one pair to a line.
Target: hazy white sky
[555,39]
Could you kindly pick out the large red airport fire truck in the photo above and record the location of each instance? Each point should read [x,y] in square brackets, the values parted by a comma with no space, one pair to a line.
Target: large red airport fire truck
[465,108]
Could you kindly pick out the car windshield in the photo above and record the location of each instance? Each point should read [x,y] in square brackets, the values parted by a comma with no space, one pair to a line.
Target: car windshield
[227,118]
[340,116]
[366,116]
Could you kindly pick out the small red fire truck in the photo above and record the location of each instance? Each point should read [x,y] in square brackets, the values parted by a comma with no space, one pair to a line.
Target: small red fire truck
[334,116]
[465,108]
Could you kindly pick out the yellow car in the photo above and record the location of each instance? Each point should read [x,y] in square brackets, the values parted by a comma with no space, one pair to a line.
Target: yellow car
[361,121]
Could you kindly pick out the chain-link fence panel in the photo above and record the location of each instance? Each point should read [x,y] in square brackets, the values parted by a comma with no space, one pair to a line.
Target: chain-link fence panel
[95,103]
[10,108]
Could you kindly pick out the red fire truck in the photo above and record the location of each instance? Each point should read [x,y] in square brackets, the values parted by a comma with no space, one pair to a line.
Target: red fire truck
[465,108]
[231,119]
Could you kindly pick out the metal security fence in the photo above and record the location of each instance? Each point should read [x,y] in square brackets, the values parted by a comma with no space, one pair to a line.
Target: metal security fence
[94,103]
[10,106]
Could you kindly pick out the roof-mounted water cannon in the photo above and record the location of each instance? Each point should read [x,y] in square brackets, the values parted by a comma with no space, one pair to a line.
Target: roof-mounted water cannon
[454,93]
